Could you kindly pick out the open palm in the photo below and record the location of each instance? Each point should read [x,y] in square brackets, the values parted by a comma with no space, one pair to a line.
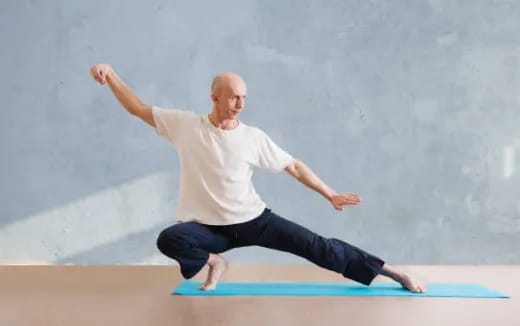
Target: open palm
[340,200]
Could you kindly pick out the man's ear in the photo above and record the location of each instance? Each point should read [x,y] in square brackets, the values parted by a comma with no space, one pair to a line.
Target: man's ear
[213,98]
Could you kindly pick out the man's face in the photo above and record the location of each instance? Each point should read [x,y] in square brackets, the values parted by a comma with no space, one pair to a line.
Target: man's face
[230,99]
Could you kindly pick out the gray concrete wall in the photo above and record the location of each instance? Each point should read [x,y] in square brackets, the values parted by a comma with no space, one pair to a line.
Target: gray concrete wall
[414,105]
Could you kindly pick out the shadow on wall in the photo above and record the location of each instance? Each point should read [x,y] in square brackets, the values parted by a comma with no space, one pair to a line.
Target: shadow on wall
[121,216]
[136,247]
[46,181]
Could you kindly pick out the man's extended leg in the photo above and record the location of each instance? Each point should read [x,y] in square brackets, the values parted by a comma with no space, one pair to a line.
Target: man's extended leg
[333,254]
[194,245]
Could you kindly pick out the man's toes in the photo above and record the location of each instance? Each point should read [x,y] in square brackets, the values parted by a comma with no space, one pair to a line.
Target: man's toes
[208,286]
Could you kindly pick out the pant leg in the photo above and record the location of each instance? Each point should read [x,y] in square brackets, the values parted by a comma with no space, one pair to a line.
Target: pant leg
[332,254]
[190,243]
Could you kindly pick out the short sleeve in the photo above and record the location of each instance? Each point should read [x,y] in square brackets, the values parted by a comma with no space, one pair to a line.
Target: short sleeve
[271,156]
[170,123]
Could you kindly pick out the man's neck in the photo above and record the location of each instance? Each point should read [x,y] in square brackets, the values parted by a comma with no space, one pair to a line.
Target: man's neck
[225,124]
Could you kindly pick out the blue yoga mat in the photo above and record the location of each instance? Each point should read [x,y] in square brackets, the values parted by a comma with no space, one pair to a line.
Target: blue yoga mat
[336,289]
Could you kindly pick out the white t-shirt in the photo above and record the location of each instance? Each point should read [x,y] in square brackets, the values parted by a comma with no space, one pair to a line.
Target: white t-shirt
[217,166]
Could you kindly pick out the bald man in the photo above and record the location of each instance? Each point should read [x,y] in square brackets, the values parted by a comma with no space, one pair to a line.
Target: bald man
[218,207]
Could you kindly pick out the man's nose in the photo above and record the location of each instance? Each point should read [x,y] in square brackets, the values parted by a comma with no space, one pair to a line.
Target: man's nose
[240,104]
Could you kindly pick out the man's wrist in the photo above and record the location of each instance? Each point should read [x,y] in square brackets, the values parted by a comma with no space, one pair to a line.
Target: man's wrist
[110,74]
[329,193]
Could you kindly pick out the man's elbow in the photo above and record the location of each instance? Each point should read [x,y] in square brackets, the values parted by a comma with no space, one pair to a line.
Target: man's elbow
[293,168]
[144,112]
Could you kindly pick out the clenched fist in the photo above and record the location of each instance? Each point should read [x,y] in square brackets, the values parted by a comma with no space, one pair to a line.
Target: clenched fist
[100,71]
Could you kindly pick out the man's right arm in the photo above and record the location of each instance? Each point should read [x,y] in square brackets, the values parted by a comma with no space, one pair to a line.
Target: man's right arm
[103,74]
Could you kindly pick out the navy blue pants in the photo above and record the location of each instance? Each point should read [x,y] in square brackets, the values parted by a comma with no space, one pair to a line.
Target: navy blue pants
[190,244]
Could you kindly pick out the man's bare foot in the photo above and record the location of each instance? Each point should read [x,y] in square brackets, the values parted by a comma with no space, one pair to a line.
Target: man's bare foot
[410,283]
[217,266]
[406,280]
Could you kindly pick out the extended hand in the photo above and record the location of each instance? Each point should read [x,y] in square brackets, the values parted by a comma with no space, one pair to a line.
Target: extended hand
[340,200]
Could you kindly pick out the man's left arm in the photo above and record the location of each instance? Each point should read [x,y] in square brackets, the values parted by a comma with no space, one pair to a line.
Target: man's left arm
[301,172]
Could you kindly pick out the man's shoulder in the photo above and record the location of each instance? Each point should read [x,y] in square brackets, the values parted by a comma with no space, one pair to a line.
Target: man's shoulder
[176,118]
[180,113]
[189,113]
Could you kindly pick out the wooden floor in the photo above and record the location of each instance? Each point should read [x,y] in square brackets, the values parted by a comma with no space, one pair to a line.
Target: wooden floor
[140,295]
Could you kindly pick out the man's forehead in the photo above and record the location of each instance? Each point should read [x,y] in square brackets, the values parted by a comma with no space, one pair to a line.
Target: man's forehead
[238,87]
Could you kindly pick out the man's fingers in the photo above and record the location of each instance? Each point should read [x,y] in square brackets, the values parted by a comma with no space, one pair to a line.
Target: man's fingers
[349,200]
[354,198]
[94,72]
[345,204]
[342,202]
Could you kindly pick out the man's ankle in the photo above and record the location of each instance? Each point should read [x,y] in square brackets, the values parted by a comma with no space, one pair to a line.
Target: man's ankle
[392,272]
[213,259]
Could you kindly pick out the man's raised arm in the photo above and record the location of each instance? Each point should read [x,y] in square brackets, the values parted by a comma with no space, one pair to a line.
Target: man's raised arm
[103,74]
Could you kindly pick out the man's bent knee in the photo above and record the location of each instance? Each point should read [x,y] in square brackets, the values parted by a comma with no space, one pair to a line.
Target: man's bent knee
[169,242]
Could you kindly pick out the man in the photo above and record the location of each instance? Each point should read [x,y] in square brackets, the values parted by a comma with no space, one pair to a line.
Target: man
[219,208]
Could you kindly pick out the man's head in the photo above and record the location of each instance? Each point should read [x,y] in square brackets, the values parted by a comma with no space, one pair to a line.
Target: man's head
[228,93]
